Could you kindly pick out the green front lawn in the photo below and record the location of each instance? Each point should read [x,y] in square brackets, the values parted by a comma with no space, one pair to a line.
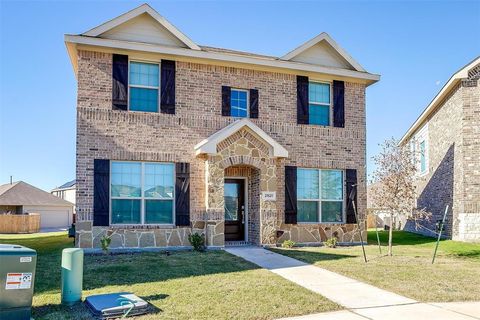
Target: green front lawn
[455,276]
[182,285]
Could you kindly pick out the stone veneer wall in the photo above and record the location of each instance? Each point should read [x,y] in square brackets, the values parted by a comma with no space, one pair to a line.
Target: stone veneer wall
[243,148]
[454,164]
[103,133]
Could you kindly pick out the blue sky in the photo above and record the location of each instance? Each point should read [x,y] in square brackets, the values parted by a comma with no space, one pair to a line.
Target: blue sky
[415,46]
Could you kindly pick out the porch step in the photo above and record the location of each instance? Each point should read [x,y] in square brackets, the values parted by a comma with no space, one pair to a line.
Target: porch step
[236,243]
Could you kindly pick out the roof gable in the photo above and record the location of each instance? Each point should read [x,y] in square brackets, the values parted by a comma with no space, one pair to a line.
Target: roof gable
[142,24]
[463,73]
[209,145]
[323,50]
[23,194]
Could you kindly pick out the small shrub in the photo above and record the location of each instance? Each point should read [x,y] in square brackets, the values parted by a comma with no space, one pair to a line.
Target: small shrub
[330,243]
[197,241]
[288,244]
[105,242]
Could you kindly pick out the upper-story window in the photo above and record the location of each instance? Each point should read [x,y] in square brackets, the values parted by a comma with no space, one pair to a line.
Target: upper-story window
[142,192]
[144,79]
[239,103]
[320,195]
[420,149]
[423,157]
[319,103]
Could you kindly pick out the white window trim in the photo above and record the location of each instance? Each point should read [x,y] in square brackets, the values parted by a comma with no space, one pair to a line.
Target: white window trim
[320,200]
[330,107]
[248,102]
[144,87]
[142,198]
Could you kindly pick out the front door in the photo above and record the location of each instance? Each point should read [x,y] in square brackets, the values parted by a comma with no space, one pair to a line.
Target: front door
[234,209]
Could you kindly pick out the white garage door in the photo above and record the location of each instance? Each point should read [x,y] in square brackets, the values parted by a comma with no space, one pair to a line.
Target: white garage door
[54,218]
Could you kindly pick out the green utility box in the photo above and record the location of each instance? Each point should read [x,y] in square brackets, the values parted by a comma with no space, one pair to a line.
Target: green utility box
[17,278]
[72,275]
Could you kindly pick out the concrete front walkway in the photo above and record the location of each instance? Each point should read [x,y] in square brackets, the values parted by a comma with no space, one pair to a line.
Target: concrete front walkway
[364,301]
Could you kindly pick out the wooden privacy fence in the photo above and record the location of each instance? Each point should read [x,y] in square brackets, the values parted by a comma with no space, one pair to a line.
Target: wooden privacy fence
[20,223]
[372,220]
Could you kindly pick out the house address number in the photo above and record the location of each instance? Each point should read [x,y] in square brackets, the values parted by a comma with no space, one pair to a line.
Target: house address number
[269,195]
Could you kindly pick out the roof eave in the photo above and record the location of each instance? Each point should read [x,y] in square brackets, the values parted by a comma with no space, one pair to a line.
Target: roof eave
[72,54]
[209,145]
[73,40]
[439,97]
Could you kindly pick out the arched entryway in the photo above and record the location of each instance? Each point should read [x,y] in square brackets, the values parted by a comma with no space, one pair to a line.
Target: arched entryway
[242,152]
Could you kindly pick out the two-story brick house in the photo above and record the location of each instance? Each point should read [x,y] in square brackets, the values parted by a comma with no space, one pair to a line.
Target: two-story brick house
[446,140]
[175,138]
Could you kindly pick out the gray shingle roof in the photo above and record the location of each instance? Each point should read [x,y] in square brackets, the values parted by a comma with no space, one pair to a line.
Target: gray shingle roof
[23,194]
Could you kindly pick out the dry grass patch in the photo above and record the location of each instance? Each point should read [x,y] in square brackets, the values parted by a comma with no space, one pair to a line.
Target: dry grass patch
[455,276]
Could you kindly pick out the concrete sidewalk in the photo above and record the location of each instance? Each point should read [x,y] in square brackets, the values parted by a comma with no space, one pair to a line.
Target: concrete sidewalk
[363,300]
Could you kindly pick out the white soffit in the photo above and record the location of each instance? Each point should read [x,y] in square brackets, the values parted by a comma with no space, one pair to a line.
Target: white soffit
[323,50]
[142,24]
[209,145]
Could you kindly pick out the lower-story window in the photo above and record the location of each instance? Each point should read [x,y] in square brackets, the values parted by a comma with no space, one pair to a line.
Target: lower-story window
[320,195]
[142,192]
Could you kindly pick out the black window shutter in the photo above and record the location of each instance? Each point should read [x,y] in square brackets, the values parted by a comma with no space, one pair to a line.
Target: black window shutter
[302,100]
[182,194]
[101,192]
[120,82]
[226,92]
[254,103]
[167,87]
[290,194]
[338,104]
[351,188]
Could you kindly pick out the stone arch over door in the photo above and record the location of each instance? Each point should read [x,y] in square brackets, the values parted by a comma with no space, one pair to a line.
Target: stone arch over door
[242,147]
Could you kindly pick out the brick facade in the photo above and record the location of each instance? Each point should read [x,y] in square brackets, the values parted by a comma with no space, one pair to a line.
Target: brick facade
[454,163]
[103,133]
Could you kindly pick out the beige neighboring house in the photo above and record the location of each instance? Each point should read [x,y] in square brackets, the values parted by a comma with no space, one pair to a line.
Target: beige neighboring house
[446,137]
[21,197]
[66,191]
[378,216]
[174,138]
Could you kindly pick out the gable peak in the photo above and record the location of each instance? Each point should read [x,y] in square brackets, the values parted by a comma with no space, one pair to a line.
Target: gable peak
[142,10]
[330,48]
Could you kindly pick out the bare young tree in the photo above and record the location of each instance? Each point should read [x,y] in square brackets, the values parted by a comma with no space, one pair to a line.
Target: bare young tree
[394,182]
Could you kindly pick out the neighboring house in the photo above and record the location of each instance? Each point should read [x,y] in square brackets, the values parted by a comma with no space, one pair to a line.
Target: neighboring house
[446,138]
[174,138]
[380,216]
[20,197]
[66,192]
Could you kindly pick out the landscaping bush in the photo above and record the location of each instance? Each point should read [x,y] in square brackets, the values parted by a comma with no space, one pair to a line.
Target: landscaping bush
[105,242]
[330,243]
[197,241]
[288,244]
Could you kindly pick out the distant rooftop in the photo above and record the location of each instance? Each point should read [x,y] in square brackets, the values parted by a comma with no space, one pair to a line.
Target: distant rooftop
[23,194]
[67,185]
